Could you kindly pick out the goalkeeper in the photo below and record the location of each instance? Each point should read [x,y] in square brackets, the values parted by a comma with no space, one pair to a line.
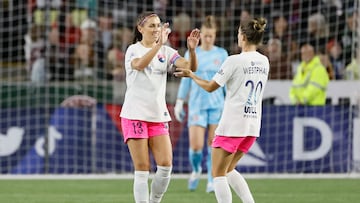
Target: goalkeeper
[204,108]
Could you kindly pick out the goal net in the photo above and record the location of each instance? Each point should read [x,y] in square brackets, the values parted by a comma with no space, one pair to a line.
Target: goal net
[62,83]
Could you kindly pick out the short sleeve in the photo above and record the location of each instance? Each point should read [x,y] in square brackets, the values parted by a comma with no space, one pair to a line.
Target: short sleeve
[224,73]
[172,54]
[129,56]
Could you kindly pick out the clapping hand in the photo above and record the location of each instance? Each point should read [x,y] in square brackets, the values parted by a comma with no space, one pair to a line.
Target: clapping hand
[164,33]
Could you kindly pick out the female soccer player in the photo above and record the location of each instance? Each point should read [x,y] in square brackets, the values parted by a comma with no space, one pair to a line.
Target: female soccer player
[245,76]
[204,108]
[144,115]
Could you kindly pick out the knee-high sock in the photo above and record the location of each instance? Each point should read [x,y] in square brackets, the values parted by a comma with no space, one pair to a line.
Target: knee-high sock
[239,185]
[160,183]
[208,164]
[222,190]
[141,188]
[195,158]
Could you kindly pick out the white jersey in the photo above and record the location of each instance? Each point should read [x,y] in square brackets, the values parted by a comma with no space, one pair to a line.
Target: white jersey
[245,76]
[146,89]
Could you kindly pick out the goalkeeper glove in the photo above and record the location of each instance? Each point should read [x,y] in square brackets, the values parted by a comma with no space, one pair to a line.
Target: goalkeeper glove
[179,110]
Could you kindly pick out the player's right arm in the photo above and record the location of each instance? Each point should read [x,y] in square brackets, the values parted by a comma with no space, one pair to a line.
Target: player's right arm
[209,86]
[142,62]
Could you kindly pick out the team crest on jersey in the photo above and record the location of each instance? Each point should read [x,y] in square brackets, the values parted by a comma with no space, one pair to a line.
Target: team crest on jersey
[217,62]
[161,58]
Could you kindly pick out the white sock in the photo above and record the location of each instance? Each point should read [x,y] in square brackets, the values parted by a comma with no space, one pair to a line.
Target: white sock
[239,185]
[160,183]
[141,188]
[222,190]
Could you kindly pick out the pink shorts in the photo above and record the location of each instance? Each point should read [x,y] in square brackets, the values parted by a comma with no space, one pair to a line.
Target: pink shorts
[233,144]
[142,129]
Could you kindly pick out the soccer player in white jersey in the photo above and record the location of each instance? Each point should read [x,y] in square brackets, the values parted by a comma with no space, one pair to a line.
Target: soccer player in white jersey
[144,114]
[245,76]
[204,108]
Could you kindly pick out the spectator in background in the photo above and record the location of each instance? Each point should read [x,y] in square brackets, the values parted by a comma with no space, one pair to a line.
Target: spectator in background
[64,36]
[352,71]
[105,21]
[69,33]
[279,63]
[59,57]
[39,13]
[88,56]
[115,56]
[318,36]
[244,15]
[160,7]
[281,31]
[334,50]
[180,30]
[310,82]
[35,54]
[348,37]
[325,60]
[318,32]
[53,3]
[91,6]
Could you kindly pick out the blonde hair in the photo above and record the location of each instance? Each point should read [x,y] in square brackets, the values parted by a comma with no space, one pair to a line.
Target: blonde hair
[321,28]
[210,22]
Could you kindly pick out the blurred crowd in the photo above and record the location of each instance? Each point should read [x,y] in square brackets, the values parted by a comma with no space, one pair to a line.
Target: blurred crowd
[86,39]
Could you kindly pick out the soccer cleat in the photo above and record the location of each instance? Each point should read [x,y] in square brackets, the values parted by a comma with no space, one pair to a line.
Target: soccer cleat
[194,180]
[209,187]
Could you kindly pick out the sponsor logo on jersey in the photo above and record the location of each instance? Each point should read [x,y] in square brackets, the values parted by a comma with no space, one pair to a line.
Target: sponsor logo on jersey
[221,72]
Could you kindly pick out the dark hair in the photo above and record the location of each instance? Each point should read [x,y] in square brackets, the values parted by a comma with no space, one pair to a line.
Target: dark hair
[253,29]
[140,21]
[210,22]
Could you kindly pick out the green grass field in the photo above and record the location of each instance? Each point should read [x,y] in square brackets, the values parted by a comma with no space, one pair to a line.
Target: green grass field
[120,191]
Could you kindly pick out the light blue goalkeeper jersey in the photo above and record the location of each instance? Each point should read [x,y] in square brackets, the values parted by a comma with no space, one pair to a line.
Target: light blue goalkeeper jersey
[209,63]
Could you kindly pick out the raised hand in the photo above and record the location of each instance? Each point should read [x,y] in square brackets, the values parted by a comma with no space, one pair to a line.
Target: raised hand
[164,33]
[193,39]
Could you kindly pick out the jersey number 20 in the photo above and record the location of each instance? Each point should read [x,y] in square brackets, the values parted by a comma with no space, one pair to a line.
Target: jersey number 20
[255,91]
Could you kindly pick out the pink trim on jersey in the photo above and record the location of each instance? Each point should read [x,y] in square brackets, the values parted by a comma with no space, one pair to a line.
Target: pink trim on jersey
[174,58]
[233,144]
